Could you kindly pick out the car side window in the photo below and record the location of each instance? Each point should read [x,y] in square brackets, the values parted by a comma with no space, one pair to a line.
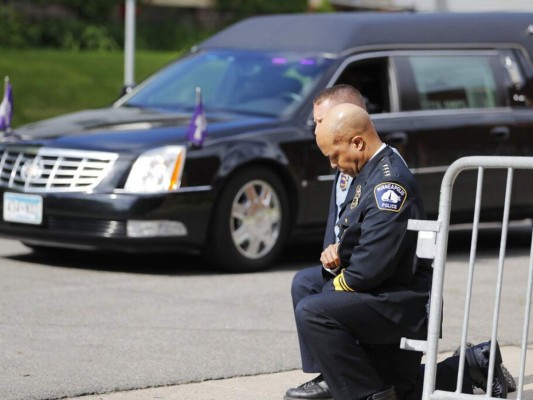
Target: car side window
[370,77]
[454,82]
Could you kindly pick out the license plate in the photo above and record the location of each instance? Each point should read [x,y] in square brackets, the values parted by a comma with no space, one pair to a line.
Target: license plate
[23,208]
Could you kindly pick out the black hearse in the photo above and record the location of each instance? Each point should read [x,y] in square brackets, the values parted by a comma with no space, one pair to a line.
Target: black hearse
[439,87]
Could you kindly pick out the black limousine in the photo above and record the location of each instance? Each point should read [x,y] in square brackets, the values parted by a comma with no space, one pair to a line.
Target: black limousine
[126,178]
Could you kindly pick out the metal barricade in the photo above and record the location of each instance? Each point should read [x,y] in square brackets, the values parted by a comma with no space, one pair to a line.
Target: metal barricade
[433,243]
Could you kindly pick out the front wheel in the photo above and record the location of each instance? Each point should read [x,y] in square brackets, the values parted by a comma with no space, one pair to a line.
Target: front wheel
[251,222]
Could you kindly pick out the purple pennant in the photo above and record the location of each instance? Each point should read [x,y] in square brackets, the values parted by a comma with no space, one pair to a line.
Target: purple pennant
[198,126]
[6,107]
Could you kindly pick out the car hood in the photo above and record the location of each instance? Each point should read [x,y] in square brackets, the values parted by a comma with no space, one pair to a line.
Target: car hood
[126,128]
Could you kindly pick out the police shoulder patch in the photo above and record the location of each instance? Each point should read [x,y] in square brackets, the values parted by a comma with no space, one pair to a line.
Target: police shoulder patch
[390,196]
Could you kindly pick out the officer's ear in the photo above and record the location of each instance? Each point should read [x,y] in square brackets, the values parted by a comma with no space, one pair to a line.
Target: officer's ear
[358,142]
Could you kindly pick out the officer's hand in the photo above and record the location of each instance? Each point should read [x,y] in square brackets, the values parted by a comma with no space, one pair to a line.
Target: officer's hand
[330,258]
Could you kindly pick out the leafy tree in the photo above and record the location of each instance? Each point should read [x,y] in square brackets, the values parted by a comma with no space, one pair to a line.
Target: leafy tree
[84,27]
[93,11]
[245,8]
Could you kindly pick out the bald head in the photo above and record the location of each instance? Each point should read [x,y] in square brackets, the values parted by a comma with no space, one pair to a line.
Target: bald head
[347,137]
[347,120]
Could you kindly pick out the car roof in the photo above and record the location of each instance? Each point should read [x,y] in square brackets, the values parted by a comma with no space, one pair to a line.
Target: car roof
[337,33]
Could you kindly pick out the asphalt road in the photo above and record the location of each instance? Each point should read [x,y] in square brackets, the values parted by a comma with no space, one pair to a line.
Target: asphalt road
[77,323]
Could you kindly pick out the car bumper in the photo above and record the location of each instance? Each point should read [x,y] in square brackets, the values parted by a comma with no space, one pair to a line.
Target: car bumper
[120,222]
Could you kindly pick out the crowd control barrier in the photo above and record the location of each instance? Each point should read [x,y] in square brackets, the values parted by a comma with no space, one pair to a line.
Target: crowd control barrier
[433,242]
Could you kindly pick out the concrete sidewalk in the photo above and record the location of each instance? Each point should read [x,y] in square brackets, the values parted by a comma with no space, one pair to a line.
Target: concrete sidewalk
[273,386]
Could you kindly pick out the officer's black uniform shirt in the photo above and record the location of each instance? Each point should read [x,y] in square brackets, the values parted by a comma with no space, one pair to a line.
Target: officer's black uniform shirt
[377,252]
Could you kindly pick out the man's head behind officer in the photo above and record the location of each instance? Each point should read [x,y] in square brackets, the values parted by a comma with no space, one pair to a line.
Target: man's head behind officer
[333,96]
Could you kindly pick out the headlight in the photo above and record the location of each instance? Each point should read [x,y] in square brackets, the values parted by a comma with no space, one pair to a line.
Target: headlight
[157,170]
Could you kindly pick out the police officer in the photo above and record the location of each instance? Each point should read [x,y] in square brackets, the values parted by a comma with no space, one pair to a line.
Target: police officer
[380,290]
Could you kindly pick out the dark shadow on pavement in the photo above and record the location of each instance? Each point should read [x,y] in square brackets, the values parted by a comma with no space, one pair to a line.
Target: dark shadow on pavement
[151,264]
[294,257]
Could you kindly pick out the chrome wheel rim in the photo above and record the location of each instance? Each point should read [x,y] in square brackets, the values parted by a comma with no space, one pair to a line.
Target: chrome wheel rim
[255,220]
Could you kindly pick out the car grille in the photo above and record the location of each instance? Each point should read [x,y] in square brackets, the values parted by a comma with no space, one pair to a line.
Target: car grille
[53,170]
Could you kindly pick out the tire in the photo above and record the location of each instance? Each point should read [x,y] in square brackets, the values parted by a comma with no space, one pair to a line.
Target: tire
[251,222]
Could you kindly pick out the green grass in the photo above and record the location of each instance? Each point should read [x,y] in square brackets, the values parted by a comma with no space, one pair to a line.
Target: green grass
[47,83]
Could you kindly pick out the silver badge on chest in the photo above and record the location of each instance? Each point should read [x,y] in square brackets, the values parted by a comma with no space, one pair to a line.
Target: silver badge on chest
[355,200]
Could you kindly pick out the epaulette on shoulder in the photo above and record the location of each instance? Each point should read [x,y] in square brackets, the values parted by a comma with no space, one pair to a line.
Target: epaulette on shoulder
[385,166]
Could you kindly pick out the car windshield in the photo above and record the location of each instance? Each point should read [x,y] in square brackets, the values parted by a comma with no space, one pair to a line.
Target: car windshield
[272,84]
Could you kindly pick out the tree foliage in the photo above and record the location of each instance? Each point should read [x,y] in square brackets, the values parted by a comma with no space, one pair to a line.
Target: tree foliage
[99,24]
[246,8]
[93,11]
[81,25]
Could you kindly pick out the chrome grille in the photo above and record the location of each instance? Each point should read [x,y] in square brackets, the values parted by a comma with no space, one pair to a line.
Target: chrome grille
[53,170]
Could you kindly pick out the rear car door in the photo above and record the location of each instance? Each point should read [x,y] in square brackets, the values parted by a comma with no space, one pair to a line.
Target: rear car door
[459,106]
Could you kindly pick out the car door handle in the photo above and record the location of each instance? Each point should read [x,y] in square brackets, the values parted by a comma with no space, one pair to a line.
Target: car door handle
[500,132]
[395,138]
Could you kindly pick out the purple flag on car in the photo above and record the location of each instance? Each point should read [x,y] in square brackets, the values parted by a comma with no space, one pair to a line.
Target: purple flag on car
[6,107]
[198,126]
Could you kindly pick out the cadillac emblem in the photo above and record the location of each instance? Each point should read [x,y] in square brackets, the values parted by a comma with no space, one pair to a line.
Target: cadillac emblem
[31,170]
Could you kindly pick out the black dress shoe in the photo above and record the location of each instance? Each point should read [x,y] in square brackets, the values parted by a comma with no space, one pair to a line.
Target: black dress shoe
[314,389]
[477,358]
[388,394]
[511,383]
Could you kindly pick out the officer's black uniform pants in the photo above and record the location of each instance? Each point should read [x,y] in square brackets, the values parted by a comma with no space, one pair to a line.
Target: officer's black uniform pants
[333,325]
[388,364]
